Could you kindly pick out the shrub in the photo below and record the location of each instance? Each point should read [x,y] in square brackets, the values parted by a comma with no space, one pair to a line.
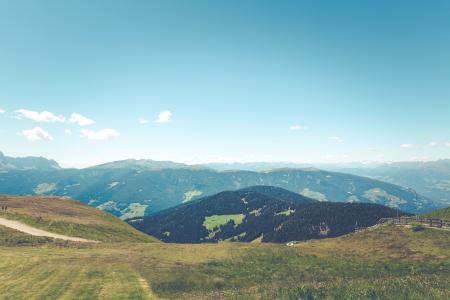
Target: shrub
[417,227]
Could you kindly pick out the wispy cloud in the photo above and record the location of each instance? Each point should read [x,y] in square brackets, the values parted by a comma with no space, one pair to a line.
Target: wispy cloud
[433,144]
[337,139]
[407,146]
[2,111]
[448,144]
[44,116]
[37,134]
[298,127]
[164,117]
[143,121]
[80,120]
[101,135]
[67,131]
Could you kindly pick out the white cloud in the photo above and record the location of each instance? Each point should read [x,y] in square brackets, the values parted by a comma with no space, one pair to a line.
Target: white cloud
[143,121]
[433,144]
[68,131]
[80,120]
[164,117]
[337,139]
[407,146]
[37,134]
[297,127]
[2,111]
[448,144]
[101,135]
[44,116]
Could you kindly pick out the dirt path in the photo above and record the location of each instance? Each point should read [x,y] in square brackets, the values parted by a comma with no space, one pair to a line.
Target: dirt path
[39,232]
[148,291]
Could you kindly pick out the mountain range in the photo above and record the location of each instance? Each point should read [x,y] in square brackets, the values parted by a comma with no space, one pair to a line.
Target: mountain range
[132,188]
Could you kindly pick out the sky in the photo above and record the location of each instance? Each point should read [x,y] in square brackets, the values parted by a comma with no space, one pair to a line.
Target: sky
[85,82]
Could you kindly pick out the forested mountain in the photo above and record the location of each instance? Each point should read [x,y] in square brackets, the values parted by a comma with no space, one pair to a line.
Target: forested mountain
[128,189]
[249,215]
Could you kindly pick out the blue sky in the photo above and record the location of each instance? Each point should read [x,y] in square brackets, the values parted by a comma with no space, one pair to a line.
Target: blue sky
[304,81]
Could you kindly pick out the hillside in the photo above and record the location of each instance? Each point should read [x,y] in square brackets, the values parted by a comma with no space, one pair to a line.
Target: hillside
[250,216]
[69,217]
[443,213]
[127,191]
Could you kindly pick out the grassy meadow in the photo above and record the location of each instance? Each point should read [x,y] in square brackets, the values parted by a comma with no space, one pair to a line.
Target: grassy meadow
[384,263]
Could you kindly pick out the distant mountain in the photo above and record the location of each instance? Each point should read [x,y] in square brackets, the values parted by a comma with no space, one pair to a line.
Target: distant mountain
[247,216]
[255,166]
[269,166]
[142,164]
[431,179]
[131,188]
[26,163]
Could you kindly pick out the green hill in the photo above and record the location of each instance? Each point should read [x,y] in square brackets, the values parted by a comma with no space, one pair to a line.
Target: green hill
[69,217]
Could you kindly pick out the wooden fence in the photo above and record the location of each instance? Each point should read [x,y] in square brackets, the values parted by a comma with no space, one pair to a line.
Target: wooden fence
[430,222]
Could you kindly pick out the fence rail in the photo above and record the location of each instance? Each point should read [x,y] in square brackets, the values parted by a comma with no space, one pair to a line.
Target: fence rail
[431,222]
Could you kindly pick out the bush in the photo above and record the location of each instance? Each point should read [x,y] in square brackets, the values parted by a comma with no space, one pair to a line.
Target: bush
[417,227]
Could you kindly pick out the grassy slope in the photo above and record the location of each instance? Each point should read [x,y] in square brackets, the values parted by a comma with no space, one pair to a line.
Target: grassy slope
[69,217]
[385,263]
[443,213]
